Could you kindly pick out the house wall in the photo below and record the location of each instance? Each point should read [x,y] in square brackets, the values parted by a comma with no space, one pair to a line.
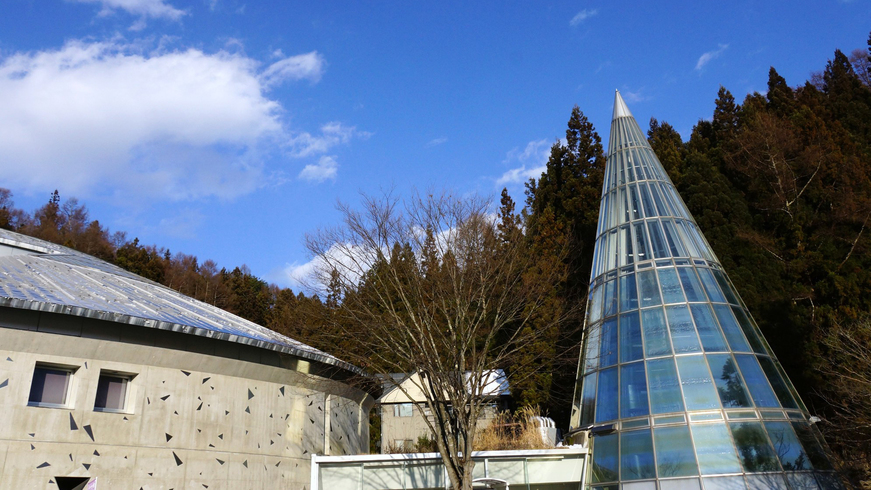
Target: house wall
[227,417]
[395,428]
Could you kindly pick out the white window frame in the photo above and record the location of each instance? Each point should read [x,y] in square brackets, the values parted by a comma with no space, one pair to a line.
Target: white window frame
[127,378]
[68,394]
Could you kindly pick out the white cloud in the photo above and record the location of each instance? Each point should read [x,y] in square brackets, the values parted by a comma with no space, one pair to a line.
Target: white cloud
[308,66]
[106,117]
[705,58]
[533,160]
[326,168]
[636,96]
[582,16]
[334,133]
[154,9]
[435,142]
[183,224]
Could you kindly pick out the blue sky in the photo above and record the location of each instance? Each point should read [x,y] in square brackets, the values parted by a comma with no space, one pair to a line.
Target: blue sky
[228,129]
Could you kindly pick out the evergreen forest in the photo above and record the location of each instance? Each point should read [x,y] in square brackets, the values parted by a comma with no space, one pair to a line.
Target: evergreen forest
[780,184]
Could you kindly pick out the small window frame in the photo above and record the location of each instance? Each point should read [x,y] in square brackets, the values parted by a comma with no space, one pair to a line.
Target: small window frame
[126,379]
[45,368]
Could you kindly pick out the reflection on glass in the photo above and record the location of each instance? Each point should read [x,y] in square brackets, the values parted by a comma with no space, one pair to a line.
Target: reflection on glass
[606,399]
[811,445]
[787,446]
[628,293]
[636,455]
[709,333]
[649,210]
[594,311]
[714,449]
[691,285]
[610,298]
[649,290]
[634,202]
[605,458]
[633,390]
[749,330]
[591,353]
[664,386]
[753,447]
[698,387]
[588,399]
[674,452]
[729,384]
[731,329]
[777,382]
[726,287]
[671,291]
[631,347]
[660,204]
[762,394]
[608,343]
[711,285]
[655,334]
[626,257]
[675,246]
[683,334]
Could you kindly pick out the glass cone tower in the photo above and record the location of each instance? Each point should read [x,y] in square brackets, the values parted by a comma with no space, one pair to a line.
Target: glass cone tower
[676,383]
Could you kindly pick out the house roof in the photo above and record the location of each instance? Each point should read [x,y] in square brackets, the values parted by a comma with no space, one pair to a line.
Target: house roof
[39,275]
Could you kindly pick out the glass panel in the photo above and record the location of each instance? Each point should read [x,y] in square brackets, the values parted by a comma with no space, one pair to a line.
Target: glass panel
[691,285]
[111,392]
[731,329]
[655,335]
[698,387]
[671,291]
[726,287]
[49,386]
[683,334]
[628,293]
[749,330]
[612,250]
[709,333]
[649,210]
[725,483]
[787,446]
[610,299]
[627,257]
[605,458]
[636,455]
[594,312]
[660,251]
[624,205]
[606,401]
[633,390]
[756,381]
[777,383]
[674,452]
[688,243]
[714,449]
[631,345]
[603,218]
[608,341]
[660,204]
[675,246]
[591,354]
[649,290]
[664,386]
[753,447]
[729,384]
[635,203]
[811,445]
[711,285]
[634,424]
[588,399]
[641,248]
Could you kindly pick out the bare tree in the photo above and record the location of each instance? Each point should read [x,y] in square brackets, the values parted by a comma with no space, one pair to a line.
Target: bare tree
[429,286]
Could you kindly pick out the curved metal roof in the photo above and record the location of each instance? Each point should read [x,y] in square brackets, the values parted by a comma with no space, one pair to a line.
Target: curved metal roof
[43,276]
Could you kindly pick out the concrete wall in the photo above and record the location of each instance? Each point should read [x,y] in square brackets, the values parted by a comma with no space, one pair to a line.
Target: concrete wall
[193,420]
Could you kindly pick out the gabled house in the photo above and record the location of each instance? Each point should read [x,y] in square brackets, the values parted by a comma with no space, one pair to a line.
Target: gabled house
[403,408]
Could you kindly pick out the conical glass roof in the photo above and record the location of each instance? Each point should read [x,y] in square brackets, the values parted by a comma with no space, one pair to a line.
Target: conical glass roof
[672,360]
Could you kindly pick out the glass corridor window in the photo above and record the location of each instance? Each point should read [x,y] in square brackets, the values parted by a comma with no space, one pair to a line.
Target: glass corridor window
[656,341]
[606,396]
[664,386]
[606,462]
[787,446]
[648,288]
[636,455]
[631,344]
[714,449]
[753,447]
[761,392]
[671,290]
[709,333]
[683,333]
[730,387]
[698,387]
[628,293]
[633,390]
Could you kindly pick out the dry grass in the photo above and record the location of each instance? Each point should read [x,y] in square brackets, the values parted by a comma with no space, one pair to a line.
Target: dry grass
[511,431]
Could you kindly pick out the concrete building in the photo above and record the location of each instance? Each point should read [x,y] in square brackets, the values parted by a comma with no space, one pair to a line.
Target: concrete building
[113,381]
[401,420]
[676,383]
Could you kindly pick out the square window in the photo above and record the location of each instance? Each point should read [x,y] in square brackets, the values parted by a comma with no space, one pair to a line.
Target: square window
[403,410]
[50,386]
[111,392]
